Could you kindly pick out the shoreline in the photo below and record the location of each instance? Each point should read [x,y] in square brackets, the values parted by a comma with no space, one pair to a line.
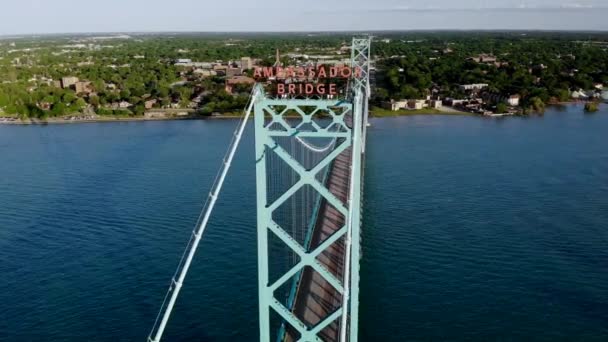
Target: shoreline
[374,113]
[104,119]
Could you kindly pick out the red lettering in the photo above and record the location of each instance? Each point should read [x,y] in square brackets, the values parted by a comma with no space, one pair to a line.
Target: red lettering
[281,88]
[322,73]
[309,88]
[321,89]
[346,72]
[268,72]
[333,72]
[280,72]
[311,73]
[301,73]
[257,73]
[292,88]
[332,89]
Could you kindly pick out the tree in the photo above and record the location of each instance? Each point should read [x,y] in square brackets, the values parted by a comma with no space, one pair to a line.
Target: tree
[125,94]
[501,108]
[80,104]
[591,107]
[68,97]
[58,109]
[94,101]
[139,109]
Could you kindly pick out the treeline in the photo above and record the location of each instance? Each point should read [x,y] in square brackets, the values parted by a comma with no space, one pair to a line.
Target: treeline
[540,68]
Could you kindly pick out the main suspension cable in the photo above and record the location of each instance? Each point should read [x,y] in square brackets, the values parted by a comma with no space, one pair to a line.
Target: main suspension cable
[184,264]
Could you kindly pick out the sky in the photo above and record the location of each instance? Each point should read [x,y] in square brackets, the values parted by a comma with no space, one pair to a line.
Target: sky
[73,16]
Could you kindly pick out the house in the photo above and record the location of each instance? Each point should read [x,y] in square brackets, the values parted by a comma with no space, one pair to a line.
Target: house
[579,94]
[484,58]
[395,105]
[513,100]
[83,87]
[67,82]
[204,73]
[124,104]
[436,104]
[231,72]
[150,103]
[236,80]
[246,63]
[471,87]
[416,104]
[44,105]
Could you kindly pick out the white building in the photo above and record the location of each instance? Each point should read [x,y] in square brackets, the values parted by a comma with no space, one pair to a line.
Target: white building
[124,104]
[513,100]
[475,86]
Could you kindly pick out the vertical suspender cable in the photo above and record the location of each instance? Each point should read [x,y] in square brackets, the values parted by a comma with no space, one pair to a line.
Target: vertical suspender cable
[181,272]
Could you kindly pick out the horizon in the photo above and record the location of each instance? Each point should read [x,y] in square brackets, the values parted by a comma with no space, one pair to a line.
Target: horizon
[253,32]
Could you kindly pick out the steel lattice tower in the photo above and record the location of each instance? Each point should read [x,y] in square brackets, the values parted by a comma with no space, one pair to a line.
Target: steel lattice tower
[319,144]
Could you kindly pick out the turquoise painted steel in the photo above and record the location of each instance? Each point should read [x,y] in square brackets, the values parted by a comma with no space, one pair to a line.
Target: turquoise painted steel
[355,205]
[266,133]
[355,106]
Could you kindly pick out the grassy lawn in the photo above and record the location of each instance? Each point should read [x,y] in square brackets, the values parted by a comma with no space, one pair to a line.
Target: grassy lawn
[380,112]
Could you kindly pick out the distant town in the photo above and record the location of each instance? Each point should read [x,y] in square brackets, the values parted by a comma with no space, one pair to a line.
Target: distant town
[80,78]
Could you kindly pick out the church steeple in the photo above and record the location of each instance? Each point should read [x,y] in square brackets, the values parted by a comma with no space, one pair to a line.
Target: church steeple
[278,59]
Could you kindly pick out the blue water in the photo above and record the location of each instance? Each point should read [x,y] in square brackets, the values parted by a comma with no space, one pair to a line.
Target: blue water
[475,229]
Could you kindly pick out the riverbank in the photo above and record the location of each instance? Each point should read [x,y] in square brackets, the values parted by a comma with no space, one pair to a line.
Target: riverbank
[374,112]
[380,112]
[101,118]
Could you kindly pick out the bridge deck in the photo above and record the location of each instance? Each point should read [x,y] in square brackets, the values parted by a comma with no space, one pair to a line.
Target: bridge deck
[316,298]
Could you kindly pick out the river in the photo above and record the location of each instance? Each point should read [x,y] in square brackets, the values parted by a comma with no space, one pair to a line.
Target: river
[474,229]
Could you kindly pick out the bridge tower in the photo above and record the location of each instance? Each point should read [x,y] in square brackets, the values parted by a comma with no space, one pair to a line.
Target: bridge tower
[309,155]
[308,174]
[361,58]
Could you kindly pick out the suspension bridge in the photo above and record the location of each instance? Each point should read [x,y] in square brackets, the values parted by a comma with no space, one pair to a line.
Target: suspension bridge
[309,175]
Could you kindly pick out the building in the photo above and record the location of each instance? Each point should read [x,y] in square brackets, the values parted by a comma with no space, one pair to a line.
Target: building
[395,105]
[416,104]
[579,94]
[471,87]
[513,100]
[83,87]
[436,104]
[124,104]
[246,63]
[67,82]
[205,73]
[231,72]
[237,80]
[150,103]
[484,58]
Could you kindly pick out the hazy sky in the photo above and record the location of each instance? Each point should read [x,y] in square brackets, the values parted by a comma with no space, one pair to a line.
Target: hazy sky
[58,16]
